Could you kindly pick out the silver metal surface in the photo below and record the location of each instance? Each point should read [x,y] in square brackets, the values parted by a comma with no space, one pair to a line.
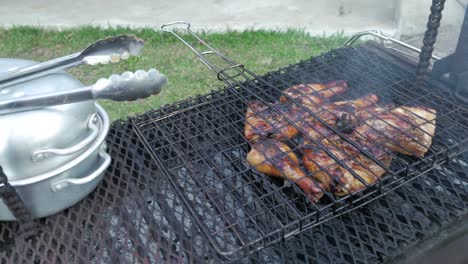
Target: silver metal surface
[104,125]
[57,127]
[111,49]
[37,193]
[384,37]
[92,125]
[60,185]
[126,87]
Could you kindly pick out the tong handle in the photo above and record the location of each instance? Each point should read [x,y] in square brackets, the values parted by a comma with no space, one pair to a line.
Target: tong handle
[227,72]
[103,51]
[126,87]
[37,70]
[129,86]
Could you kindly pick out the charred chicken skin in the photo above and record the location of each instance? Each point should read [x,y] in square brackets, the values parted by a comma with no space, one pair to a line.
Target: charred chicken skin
[339,179]
[342,115]
[334,164]
[314,94]
[276,159]
[407,130]
[281,121]
[263,121]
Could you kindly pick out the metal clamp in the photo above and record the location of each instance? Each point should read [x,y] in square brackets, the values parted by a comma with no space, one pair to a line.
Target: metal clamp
[63,183]
[221,71]
[384,37]
[43,154]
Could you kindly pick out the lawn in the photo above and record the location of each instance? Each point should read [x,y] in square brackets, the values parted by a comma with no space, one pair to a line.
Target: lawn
[260,51]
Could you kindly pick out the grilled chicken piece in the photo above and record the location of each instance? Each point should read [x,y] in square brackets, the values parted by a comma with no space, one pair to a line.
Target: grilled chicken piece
[276,159]
[314,94]
[337,178]
[263,121]
[276,122]
[345,114]
[407,130]
[372,111]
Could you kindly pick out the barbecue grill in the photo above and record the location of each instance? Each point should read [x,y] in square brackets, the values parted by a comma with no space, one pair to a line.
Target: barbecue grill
[179,188]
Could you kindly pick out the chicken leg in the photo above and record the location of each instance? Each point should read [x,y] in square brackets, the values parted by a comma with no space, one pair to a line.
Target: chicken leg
[276,159]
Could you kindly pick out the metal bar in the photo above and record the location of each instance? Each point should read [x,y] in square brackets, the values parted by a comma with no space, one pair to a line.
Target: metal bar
[384,37]
[430,37]
[218,69]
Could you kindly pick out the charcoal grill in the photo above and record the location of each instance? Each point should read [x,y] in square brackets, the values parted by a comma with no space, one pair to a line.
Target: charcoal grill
[179,188]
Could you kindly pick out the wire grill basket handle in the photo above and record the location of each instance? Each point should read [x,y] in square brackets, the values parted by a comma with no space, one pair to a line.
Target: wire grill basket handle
[227,70]
[385,38]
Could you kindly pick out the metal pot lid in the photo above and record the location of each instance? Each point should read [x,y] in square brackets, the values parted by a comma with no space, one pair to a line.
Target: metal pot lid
[34,142]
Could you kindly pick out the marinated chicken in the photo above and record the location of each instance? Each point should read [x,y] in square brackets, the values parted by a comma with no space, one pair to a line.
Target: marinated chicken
[357,169]
[314,94]
[342,115]
[276,159]
[281,121]
[407,130]
[262,121]
[333,164]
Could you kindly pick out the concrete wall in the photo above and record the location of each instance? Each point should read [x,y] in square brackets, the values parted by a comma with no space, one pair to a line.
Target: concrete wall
[398,17]
[411,15]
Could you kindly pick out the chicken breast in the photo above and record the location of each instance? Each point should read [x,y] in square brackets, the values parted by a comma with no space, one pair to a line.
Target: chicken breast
[407,130]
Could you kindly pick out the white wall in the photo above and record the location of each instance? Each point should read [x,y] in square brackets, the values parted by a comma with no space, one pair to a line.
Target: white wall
[411,15]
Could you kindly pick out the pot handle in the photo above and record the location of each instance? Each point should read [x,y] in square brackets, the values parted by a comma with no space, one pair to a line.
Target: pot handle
[63,183]
[43,154]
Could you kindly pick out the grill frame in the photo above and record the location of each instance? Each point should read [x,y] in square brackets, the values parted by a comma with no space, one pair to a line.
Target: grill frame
[287,229]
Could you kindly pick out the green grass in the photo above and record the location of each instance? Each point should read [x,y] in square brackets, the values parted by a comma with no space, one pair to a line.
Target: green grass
[259,51]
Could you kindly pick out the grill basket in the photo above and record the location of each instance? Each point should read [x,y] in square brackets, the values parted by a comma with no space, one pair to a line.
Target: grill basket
[201,148]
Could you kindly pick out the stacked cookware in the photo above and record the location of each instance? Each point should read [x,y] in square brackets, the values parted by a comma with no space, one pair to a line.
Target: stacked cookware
[52,130]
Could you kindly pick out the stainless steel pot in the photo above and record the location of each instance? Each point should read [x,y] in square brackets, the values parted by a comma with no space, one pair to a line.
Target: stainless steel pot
[34,142]
[52,132]
[52,191]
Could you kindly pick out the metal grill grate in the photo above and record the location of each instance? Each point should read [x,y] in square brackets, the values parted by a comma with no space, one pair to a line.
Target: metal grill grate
[134,216]
[137,214]
[201,148]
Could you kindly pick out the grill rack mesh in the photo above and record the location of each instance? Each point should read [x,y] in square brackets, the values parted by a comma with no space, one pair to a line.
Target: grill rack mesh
[135,216]
[201,149]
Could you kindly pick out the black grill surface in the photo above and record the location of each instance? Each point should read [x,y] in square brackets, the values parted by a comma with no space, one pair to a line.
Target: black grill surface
[189,196]
[199,146]
[134,216]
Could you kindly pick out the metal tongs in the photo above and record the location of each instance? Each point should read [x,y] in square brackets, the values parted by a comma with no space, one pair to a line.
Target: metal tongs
[126,87]
[111,49]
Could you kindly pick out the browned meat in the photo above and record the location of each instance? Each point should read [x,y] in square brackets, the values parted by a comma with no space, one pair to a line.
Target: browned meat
[276,159]
[337,178]
[345,114]
[378,130]
[262,121]
[276,121]
[407,130]
[314,94]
